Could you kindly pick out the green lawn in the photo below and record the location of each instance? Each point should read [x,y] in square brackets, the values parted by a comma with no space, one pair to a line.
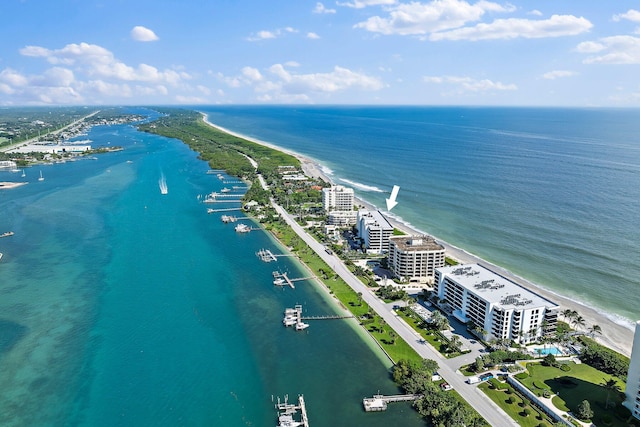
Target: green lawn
[396,348]
[436,339]
[579,383]
[515,409]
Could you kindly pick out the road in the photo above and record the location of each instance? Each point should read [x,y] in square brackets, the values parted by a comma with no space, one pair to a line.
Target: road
[448,367]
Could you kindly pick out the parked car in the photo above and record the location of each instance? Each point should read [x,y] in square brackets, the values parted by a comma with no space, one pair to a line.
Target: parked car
[486,376]
[474,379]
[446,386]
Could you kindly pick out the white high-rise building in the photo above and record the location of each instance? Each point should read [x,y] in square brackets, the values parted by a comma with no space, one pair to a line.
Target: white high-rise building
[415,258]
[337,201]
[374,230]
[501,307]
[632,390]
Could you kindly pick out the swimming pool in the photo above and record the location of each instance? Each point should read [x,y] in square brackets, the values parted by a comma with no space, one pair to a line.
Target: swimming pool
[547,350]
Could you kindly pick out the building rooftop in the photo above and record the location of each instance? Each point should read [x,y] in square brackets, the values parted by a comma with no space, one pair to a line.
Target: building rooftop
[494,288]
[376,217]
[416,243]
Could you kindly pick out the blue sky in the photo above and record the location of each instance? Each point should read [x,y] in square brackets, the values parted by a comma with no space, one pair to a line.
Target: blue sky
[437,52]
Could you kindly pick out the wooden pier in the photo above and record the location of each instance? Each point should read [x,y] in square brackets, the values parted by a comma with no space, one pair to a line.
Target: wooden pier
[283,278]
[286,412]
[223,210]
[379,402]
[267,256]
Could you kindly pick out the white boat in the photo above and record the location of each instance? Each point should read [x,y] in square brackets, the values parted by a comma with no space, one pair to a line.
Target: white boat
[301,326]
[225,190]
[163,185]
[41,177]
[210,210]
[278,282]
[23,173]
[242,228]
[289,321]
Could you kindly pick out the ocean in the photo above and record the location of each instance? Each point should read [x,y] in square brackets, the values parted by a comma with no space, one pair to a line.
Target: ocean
[121,306]
[551,194]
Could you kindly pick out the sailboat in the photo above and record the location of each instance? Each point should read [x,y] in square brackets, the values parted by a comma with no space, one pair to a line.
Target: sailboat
[163,185]
[41,177]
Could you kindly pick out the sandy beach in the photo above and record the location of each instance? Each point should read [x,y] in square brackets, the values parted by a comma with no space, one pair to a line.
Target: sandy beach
[614,335]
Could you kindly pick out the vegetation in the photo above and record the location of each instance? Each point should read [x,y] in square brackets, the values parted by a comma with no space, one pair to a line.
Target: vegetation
[442,408]
[220,149]
[514,404]
[573,386]
[603,358]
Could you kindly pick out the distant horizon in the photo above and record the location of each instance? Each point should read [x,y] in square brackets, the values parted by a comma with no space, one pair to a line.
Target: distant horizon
[196,106]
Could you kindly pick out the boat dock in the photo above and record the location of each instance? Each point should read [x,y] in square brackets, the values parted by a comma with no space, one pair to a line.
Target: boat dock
[267,256]
[286,412]
[231,181]
[294,317]
[210,210]
[379,402]
[283,278]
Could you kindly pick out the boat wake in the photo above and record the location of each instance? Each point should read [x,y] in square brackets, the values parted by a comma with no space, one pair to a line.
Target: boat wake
[163,185]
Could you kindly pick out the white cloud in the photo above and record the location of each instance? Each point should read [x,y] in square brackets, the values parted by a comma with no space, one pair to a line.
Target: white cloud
[266,34]
[312,36]
[13,78]
[631,15]
[614,50]
[423,18]
[97,61]
[534,12]
[467,84]
[85,73]
[556,74]
[251,74]
[284,85]
[556,26]
[321,9]
[143,34]
[359,4]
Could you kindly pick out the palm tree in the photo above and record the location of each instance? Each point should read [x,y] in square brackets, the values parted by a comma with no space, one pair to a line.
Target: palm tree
[579,322]
[382,323]
[455,343]
[392,337]
[610,385]
[595,329]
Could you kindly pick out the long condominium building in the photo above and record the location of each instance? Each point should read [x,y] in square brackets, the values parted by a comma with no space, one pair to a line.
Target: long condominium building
[500,307]
[337,201]
[374,230]
[632,390]
[415,258]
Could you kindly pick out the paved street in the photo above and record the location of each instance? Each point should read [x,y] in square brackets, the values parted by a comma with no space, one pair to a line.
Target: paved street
[448,367]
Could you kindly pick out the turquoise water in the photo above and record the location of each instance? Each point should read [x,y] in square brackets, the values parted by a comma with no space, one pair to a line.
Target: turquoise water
[551,194]
[120,306]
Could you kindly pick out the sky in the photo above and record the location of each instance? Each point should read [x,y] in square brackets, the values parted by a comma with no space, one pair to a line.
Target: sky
[583,53]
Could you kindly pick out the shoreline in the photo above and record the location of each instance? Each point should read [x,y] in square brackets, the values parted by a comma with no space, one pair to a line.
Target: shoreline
[615,335]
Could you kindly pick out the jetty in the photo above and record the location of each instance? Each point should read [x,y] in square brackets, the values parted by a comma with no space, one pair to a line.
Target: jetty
[378,402]
[211,210]
[267,256]
[294,317]
[282,279]
[222,198]
[287,412]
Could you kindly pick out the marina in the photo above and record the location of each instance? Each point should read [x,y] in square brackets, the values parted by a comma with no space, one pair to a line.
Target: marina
[287,412]
[378,402]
